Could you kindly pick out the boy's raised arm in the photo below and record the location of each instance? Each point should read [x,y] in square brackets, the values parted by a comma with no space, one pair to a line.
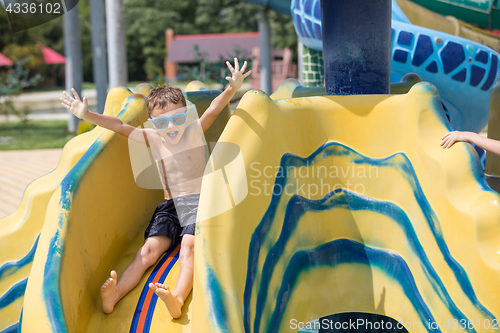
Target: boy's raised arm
[80,109]
[490,145]
[218,104]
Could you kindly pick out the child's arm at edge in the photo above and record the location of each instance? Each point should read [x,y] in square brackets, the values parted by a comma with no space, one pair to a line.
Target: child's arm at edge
[490,145]
[218,104]
[80,109]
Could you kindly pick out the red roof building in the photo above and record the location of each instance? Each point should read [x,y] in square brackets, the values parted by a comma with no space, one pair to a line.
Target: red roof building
[215,45]
[180,48]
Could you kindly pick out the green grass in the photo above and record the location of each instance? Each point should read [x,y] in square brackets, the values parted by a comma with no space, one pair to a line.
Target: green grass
[42,89]
[34,134]
[85,85]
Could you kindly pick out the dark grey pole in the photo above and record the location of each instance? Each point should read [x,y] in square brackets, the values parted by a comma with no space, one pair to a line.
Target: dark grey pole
[73,50]
[99,52]
[357,56]
[265,53]
[117,53]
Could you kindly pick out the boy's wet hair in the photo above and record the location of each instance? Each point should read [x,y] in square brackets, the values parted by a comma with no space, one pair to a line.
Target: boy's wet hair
[164,95]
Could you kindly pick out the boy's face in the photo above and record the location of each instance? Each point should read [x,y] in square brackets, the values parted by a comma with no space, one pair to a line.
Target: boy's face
[172,133]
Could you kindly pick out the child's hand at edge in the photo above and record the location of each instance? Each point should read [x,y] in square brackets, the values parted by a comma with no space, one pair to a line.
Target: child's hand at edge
[75,105]
[236,80]
[451,137]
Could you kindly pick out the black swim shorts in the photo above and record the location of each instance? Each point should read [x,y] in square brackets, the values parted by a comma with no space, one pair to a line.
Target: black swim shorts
[165,220]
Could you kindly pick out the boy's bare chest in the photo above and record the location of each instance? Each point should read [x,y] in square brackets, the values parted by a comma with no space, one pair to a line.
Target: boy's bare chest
[188,158]
[184,160]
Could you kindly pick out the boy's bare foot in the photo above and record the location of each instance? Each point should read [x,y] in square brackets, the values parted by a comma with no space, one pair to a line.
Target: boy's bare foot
[173,303]
[108,293]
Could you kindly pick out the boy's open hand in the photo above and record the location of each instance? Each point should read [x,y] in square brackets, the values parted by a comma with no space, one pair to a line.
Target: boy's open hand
[236,80]
[450,138]
[75,105]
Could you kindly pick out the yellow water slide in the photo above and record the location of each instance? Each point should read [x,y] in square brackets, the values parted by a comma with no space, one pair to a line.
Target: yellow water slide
[311,206]
[320,206]
[94,223]
[19,231]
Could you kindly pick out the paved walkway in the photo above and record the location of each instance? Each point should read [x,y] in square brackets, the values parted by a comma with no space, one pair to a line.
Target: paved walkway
[18,168]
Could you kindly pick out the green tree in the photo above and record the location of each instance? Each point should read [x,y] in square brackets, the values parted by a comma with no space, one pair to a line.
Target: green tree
[147,20]
[86,37]
[23,44]
[12,82]
[50,34]
[145,25]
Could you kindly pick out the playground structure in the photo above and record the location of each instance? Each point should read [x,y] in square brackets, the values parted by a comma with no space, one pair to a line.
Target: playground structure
[267,251]
[484,13]
[458,67]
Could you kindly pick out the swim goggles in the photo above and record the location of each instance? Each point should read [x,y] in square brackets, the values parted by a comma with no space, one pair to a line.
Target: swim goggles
[162,122]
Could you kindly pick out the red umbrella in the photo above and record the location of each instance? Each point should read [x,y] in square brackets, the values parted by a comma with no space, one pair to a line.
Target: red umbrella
[4,61]
[52,57]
